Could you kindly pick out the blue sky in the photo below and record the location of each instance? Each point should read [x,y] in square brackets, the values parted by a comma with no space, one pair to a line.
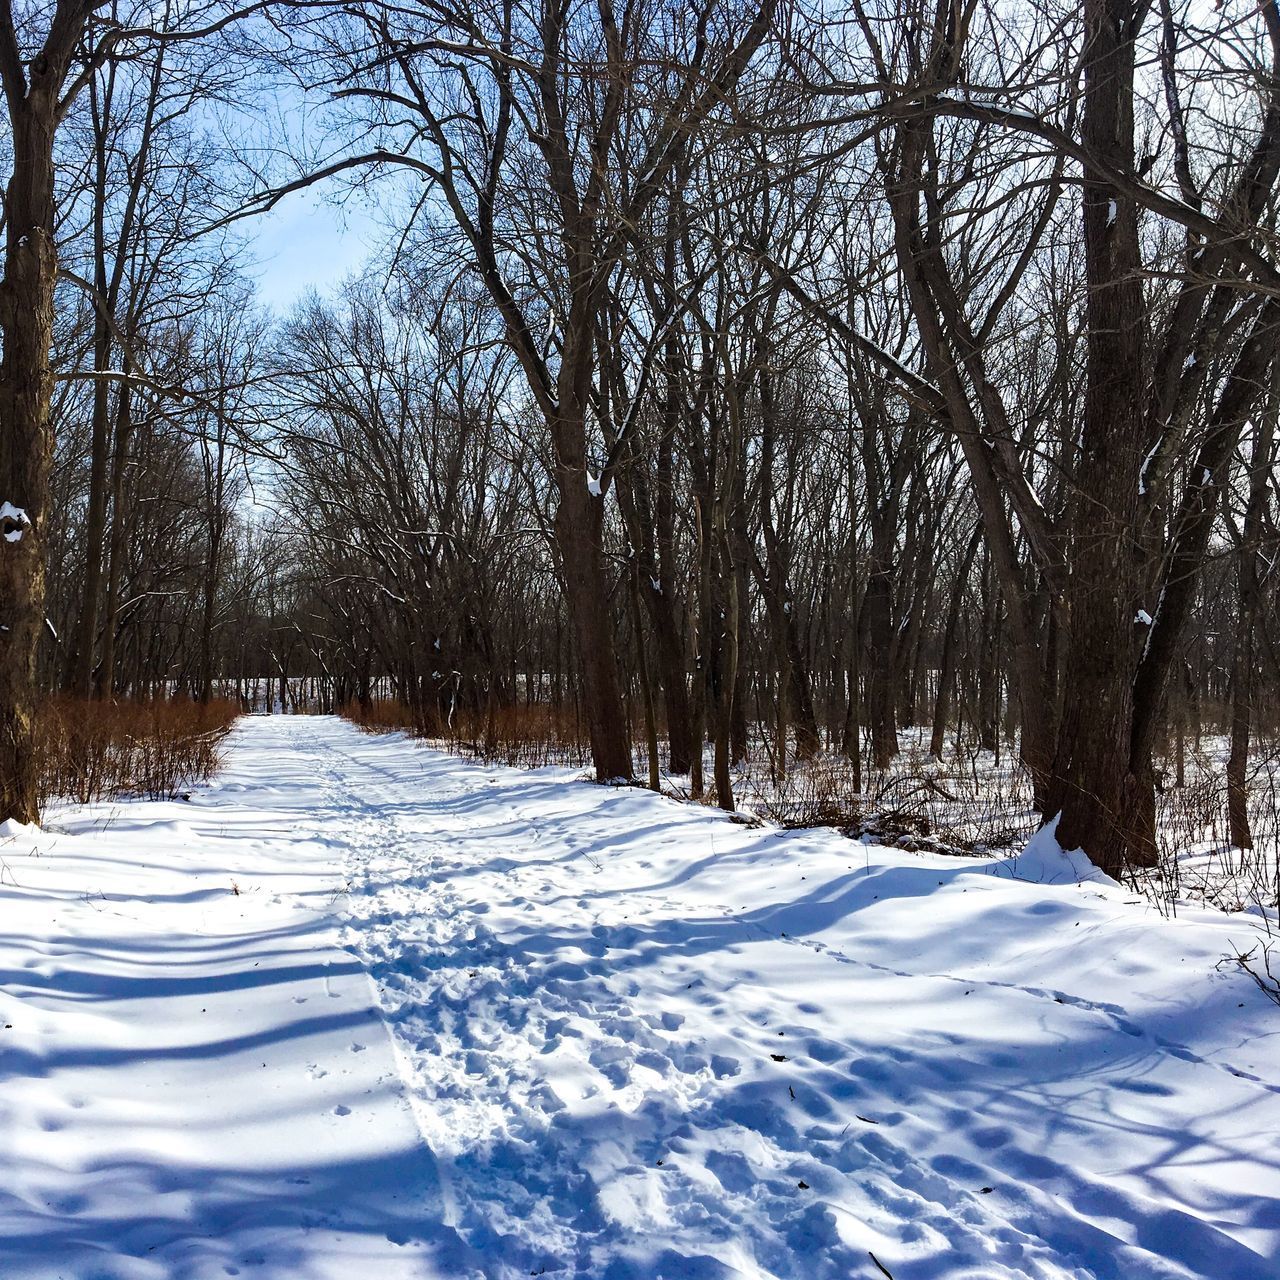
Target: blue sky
[307,243]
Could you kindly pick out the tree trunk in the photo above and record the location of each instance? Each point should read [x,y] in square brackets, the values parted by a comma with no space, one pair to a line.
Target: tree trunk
[654,552]
[946,669]
[1105,800]
[579,525]
[80,657]
[80,674]
[646,687]
[1248,597]
[795,693]
[726,685]
[26,441]
[207,609]
[877,638]
[1239,832]
[681,742]
[119,535]
[988,706]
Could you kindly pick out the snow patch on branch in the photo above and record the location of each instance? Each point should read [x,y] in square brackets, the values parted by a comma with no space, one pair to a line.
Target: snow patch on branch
[1146,462]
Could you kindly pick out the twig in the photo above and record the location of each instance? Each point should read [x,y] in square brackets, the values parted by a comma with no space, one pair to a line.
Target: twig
[884,1271]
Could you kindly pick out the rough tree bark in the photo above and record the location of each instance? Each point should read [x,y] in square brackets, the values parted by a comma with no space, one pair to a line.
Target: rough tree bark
[26,440]
[1104,807]
[579,530]
[1249,599]
[947,662]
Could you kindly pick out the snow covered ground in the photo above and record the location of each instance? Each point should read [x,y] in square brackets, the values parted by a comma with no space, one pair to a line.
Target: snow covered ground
[360,1009]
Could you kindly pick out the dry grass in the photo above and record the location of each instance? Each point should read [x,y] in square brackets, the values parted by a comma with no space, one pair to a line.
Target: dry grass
[381,715]
[524,736]
[966,804]
[91,750]
[1198,862]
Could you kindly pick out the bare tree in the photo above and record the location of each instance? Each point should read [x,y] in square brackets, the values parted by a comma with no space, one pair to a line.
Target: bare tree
[49,55]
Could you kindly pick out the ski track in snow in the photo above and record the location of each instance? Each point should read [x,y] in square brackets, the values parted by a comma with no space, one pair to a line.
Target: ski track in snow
[628,1031]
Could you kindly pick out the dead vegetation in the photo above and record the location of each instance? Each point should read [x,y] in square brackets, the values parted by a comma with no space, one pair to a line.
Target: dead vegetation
[524,735]
[90,749]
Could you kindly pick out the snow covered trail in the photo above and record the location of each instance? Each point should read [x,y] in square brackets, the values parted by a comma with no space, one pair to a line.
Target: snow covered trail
[639,1040]
[646,1041]
[194,1080]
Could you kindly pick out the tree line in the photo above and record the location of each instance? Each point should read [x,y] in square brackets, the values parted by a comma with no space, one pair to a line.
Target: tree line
[752,378]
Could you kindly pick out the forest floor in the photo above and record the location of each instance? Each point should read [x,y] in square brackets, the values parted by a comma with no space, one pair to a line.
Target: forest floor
[362,1009]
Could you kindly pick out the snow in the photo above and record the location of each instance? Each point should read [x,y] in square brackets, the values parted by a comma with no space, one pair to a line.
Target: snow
[1111,213]
[196,1081]
[1142,618]
[16,516]
[1146,462]
[1044,861]
[593,485]
[619,1037]
[12,829]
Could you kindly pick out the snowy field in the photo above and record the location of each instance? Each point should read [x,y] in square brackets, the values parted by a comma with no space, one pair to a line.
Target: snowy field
[361,1009]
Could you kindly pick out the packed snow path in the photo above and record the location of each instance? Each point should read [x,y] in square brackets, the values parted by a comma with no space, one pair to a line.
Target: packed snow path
[619,1038]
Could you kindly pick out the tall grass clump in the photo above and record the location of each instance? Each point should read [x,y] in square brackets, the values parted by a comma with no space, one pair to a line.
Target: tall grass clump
[380,715]
[92,750]
[524,735]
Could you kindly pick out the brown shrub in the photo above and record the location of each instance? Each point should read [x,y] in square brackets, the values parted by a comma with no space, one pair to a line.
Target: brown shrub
[90,750]
[526,735]
[381,715]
